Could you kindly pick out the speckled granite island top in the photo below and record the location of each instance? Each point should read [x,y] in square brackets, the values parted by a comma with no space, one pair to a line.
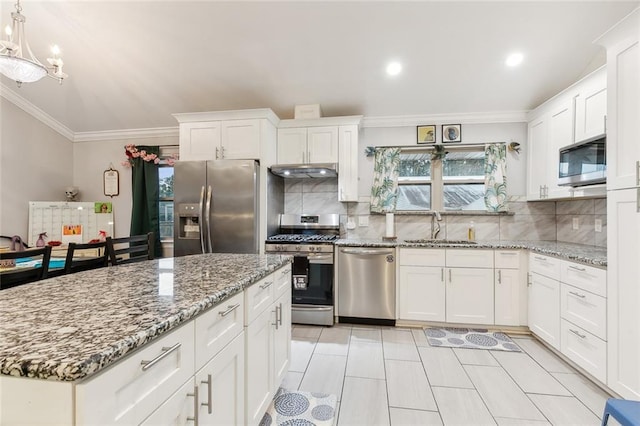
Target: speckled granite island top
[595,256]
[70,327]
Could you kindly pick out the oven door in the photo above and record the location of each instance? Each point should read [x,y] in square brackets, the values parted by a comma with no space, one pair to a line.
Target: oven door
[313,279]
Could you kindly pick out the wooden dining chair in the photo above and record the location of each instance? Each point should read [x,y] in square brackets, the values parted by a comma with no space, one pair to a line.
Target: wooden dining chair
[130,249]
[14,276]
[76,263]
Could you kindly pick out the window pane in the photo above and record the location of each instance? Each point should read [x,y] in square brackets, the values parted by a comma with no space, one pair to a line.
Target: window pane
[414,197]
[464,197]
[468,165]
[165,175]
[415,165]
[166,219]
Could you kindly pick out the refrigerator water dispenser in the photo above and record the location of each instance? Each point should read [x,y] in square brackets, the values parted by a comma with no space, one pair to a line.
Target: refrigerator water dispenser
[189,221]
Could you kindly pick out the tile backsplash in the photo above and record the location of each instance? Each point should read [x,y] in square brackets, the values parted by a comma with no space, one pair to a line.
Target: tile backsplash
[540,220]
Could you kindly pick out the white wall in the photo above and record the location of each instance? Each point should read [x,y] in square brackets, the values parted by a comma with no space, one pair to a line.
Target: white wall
[36,164]
[91,159]
[471,133]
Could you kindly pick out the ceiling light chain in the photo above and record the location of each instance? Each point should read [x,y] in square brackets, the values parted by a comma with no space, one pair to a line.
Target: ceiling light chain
[13,49]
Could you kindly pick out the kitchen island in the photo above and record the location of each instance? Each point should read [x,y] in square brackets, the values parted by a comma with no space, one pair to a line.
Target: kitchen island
[79,329]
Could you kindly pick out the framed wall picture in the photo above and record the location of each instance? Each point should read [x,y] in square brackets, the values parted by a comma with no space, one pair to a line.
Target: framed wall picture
[427,134]
[111,182]
[451,133]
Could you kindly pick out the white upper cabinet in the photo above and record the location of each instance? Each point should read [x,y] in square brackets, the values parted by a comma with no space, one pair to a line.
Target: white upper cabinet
[312,145]
[591,107]
[199,141]
[240,140]
[537,156]
[560,135]
[348,163]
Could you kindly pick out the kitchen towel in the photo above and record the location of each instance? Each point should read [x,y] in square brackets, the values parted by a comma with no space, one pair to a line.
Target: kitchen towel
[300,408]
[389,229]
[470,338]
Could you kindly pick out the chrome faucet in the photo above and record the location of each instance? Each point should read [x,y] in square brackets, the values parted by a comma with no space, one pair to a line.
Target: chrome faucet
[435,220]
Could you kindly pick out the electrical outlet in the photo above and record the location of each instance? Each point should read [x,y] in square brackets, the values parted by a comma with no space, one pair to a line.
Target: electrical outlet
[598,225]
[363,220]
[576,223]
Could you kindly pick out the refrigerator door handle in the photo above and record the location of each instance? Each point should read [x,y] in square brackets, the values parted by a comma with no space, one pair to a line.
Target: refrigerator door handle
[200,219]
[208,218]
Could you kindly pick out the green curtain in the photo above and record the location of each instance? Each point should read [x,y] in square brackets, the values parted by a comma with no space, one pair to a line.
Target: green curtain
[386,168]
[145,208]
[495,177]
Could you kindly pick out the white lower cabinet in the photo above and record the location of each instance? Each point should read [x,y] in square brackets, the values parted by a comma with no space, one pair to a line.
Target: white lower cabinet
[585,349]
[544,308]
[507,289]
[177,410]
[470,295]
[422,293]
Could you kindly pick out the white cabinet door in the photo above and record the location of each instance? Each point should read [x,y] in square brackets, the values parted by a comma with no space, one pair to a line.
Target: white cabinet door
[322,144]
[623,106]
[591,107]
[348,163]
[282,339]
[292,145]
[544,308]
[507,296]
[469,295]
[537,156]
[240,140]
[178,410]
[422,293]
[623,292]
[221,384]
[560,135]
[259,366]
[200,140]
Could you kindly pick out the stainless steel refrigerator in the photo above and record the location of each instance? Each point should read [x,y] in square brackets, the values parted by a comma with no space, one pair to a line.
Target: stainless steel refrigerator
[216,207]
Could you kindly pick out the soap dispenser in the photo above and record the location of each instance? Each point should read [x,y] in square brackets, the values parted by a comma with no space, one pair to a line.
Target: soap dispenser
[471,233]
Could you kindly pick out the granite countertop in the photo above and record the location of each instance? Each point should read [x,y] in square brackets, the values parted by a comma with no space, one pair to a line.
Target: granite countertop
[70,327]
[590,255]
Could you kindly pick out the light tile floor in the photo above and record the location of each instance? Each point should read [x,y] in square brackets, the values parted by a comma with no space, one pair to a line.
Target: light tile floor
[391,376]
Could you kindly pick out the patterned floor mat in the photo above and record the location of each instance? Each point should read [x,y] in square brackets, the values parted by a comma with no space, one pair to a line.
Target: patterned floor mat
[471,338]
[300,408]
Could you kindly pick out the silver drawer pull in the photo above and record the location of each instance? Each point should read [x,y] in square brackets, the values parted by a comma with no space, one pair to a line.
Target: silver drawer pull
[266,285]
[544,259]
[230,309]
[508,253]
[209,403]
[582,296]
[582,336]
[575,268]
[196,408]
[283,273]
[165,352]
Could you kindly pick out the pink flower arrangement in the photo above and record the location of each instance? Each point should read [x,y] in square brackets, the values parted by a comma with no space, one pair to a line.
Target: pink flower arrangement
[132,152]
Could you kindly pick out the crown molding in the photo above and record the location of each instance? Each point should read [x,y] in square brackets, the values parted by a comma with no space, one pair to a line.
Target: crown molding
[105,135]
[461,118]
[36,112]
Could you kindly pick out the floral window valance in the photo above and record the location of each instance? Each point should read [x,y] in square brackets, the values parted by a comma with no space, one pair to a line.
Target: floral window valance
[495,177]
[384,192]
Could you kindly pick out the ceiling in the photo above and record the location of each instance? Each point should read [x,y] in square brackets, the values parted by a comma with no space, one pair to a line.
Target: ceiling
[132,64]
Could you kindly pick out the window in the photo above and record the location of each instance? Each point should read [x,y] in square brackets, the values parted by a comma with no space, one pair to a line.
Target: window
[454,183]
[165,182]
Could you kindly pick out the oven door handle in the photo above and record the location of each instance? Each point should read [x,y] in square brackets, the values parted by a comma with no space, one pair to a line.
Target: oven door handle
[324,258]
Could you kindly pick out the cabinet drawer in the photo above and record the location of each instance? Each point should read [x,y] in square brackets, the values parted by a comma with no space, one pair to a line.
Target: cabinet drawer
[469,258]
[283,281]
[217,327]
[544,265]
[582,308]
[258,297]
[422,257]
[585,349]
[126,393]
[585,277]
[507,259]
[176,410]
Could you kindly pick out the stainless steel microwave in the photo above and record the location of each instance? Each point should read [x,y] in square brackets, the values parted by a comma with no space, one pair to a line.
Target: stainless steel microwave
[583,163]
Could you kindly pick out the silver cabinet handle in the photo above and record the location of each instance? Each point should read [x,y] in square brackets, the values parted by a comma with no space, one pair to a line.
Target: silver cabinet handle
[499,277]
[508,253]
[285,272]
[304,157]
[582,336]
[209,403]
[638,201]
[230,309]
[165,352]
[576,268]
[581,296]
[196,408]
[208,219]
[200,221]
[266,285]
[222,152]
[529,278]
[280,317]
[441,274]
[449,275]
[637,173]
[543,259]
[276,321]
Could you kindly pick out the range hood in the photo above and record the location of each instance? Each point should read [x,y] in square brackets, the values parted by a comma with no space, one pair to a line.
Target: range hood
[305,170]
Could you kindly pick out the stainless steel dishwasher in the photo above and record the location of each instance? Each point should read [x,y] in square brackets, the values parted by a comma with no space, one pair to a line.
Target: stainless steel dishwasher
[367,285]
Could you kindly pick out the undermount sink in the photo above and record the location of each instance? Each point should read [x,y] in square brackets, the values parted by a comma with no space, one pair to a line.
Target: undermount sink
[432,241]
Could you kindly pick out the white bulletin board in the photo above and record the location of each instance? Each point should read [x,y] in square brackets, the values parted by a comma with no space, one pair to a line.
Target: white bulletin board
[52,217]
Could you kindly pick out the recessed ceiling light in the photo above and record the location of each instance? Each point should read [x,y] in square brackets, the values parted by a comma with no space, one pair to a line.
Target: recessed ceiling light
[394,68]
[514,59]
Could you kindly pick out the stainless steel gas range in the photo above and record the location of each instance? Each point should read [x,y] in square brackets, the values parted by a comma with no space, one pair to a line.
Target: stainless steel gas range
[309,239]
